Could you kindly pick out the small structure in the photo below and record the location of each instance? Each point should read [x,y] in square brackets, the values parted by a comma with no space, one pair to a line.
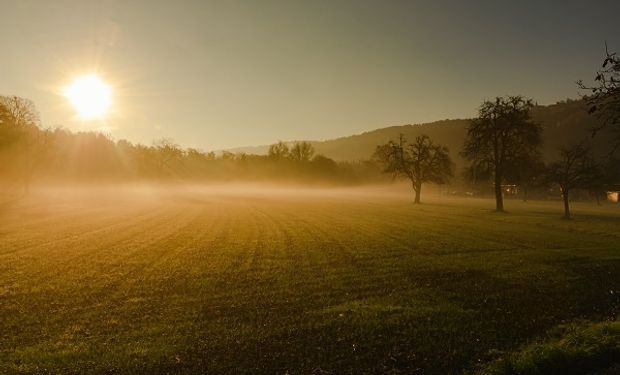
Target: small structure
[510,189]
[613,193]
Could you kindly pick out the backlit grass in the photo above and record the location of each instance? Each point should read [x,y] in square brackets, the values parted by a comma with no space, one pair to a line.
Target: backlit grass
[226,281]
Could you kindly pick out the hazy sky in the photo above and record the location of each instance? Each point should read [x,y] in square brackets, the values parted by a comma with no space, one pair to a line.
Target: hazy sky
[216,74]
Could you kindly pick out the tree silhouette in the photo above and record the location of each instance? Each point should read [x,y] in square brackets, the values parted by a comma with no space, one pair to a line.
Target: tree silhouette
[502,133]
[302,152]
[574,169]
[18,118]
[22,144]
[604,96]
[278,151]
[420,162]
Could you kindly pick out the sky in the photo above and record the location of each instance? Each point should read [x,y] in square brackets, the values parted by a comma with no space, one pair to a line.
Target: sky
[223,74]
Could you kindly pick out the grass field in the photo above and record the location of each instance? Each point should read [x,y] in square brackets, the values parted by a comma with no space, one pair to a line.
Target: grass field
[282,281]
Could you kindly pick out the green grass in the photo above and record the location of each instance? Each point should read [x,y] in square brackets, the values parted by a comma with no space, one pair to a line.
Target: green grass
[570,350]
[299,282]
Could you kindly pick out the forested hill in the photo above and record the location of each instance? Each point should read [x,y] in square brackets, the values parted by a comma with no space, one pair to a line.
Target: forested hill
[563,123]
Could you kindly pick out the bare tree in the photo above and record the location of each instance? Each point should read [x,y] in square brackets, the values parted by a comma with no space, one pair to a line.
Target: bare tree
[25,145]
[18,119]
[604,96]
[18,112]
[302,151]
[420,162]
[278,151]
[503,132]
[573,170]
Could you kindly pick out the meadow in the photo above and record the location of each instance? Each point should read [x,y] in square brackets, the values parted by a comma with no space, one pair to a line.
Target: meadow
[299,281]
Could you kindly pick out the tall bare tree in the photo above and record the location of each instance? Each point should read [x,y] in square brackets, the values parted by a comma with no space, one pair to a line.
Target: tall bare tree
[502,132]
[420,162]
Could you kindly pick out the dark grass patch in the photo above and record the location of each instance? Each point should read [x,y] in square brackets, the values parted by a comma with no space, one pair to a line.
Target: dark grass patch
[568,350]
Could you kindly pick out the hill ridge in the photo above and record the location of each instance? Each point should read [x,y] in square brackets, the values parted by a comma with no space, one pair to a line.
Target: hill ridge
[563,123]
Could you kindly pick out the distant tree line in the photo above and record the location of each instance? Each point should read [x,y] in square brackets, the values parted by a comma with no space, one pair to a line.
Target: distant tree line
[30,153]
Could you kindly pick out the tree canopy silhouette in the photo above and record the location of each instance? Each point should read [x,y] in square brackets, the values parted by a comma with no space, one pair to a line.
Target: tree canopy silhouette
[420,161]
[604,96]
[23,145]
[501,136]
[279,151]
[18,117]
[574,169]
[302,151]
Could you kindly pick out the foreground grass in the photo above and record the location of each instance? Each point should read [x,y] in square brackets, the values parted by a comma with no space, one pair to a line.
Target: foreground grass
[298,282]
[571,350]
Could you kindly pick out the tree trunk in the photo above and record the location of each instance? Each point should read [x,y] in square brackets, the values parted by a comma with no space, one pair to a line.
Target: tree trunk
[598,198]
[418,191]
[499,196]
[566,206]
[524,193]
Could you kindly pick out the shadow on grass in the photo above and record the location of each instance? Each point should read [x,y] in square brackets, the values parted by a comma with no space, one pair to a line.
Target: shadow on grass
[463,319]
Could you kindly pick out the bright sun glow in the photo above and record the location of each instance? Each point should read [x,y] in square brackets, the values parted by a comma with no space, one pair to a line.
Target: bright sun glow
[90,96]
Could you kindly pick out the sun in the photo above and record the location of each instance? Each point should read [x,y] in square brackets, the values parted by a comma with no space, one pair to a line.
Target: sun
[90,96]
